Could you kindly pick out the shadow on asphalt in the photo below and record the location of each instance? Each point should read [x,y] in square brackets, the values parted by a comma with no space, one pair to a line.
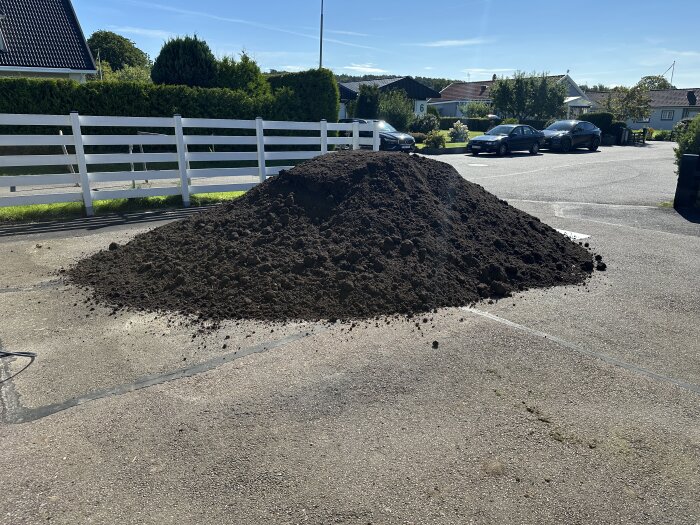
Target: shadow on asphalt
[96,223]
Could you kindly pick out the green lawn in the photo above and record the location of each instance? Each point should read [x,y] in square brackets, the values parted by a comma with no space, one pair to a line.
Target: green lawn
[449,144]
[71,210]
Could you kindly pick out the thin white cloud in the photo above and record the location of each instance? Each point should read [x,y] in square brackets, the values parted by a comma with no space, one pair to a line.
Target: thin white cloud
[211,16]
[347,33]
[142,31]
[367,69]
[452,43]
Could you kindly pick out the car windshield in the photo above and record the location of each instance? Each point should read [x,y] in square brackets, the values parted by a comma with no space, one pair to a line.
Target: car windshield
[564,125]
[385,126]
[500,130]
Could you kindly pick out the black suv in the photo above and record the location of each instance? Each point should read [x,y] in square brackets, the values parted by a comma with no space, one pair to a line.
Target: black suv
[390,138]
[566,135]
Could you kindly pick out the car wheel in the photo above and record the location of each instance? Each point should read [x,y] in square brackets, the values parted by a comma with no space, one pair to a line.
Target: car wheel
[475,153]
[534,149]
[595,142]
[566,145]
[502,150]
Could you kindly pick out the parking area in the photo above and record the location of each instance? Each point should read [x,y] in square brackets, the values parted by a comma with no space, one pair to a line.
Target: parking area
[564,405]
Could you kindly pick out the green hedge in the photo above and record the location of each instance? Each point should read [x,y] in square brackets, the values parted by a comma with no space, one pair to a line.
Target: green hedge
[306,96]
[315,95]
[60,97]
[602,120]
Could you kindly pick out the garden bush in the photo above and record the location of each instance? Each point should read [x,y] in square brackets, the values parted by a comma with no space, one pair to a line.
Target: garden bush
[396,108]
[662,134]
[314,95]
[435,139]
[650,134]
[459,132]
[510,121]
[447,122]
[418,137]
[689,140]
[425,124]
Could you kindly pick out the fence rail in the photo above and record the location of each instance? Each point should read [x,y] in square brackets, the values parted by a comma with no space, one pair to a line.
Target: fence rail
[188,161]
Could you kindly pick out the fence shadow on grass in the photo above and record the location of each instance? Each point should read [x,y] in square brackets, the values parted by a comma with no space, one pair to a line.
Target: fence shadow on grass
[90,224]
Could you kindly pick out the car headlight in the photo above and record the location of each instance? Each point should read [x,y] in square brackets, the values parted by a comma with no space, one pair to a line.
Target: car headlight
[391,141]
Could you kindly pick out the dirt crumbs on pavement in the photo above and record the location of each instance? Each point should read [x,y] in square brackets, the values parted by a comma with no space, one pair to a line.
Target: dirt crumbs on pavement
[347,235]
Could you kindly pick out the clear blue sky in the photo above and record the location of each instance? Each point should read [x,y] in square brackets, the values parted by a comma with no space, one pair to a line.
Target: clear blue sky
[610,42]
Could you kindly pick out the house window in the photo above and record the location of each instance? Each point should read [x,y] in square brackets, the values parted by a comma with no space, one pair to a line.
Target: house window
[667,114]
[642,120]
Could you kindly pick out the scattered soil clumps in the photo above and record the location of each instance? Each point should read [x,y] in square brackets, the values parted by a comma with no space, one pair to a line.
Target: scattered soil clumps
[346,235]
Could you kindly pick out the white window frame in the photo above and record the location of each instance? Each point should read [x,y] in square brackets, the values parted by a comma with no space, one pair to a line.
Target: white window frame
[670,113]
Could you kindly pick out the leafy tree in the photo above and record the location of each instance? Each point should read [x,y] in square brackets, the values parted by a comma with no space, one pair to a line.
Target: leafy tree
[475,109]
[244,74]
[596,87]
[628,103]
[396,108]
[187,61]
[117,50]
[535,96]
[655,82]
[547,97]
[138,74]
[367,105]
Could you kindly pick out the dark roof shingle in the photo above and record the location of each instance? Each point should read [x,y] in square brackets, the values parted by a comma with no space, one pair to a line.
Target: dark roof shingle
[43,34]
[413,88]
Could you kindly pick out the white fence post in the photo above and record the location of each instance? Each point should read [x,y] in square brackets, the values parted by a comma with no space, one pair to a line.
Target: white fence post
[324,136]
[82,166]
[355,135]
[376,140]
[260,133]
[182,160]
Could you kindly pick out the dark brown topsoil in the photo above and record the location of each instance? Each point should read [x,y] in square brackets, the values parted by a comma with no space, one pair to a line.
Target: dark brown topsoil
[346,235]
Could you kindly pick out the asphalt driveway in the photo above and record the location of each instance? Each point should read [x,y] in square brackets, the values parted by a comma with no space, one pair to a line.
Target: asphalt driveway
[567,405]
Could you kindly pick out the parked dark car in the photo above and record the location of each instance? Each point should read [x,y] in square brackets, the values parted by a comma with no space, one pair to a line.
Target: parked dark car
[390,138]
[566,135]
[506,138]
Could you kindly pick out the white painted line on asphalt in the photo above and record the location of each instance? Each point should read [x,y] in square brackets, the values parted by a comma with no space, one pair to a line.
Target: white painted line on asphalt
[478,165]
[571,346]
[573,235]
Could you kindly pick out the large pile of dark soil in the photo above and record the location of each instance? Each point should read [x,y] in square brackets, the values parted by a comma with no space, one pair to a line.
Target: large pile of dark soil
[347,235]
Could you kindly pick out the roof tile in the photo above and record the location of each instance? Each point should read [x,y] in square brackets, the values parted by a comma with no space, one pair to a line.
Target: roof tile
[43,34]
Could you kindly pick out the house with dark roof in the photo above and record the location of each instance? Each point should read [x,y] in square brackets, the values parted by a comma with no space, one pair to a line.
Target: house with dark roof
[458,93]
[668,107]
[42,39]
[417,92]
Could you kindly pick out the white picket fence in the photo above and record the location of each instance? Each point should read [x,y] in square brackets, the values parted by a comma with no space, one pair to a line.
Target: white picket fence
[81,183]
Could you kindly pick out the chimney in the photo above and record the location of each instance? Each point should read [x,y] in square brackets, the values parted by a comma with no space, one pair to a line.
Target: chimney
[692,99]
[483,90]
